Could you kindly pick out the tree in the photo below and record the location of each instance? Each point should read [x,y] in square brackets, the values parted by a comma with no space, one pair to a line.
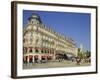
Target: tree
[88,54]
[79,53]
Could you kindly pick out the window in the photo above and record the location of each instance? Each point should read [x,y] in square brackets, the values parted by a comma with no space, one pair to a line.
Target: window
[36,50]
[26,40]
[37,41]
[30,49]
[31,40]
[52,52]
[48,51]
[23,40]
[45,51]
[42,51]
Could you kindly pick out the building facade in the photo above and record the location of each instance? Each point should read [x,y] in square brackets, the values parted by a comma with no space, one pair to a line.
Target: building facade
[43,43]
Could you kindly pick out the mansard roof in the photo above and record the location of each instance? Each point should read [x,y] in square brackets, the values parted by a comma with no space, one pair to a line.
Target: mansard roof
[35,16]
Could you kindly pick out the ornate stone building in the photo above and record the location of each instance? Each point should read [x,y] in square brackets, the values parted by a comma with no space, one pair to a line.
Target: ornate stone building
[43,43]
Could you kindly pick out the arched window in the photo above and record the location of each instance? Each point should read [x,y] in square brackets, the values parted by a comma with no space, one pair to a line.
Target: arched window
[30,49]
[48,51]
[42,51]
[45,51]
[36,50]
[24,40]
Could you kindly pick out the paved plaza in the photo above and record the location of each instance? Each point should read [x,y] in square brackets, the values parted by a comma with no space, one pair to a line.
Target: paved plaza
[54,64]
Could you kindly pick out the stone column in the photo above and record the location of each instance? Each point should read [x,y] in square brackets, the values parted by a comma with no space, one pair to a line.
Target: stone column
[54,52]
[28,59]
[39,57]
[33,53]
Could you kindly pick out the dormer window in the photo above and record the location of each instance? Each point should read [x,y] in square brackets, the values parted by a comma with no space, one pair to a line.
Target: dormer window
[34,19]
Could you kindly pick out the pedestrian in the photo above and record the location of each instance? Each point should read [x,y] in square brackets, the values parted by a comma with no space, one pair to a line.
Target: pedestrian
[78,60]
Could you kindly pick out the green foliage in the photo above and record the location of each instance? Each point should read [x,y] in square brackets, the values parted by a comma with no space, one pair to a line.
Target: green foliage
[83,55]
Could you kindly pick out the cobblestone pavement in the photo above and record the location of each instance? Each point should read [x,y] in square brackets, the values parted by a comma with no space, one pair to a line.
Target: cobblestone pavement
[54,64]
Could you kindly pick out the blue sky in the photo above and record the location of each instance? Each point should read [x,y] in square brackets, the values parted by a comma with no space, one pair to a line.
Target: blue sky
[74,25]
